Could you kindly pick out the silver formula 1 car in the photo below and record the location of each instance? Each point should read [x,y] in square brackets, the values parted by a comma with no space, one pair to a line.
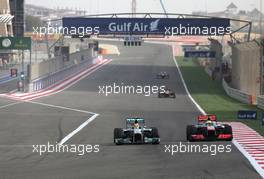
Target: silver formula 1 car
[136,133]
[163,75]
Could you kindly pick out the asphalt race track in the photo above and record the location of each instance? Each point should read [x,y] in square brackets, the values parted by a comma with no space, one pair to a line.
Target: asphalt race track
[27,124]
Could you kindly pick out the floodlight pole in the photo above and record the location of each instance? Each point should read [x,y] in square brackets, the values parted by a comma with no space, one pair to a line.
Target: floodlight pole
[261,49]
[260,18]
[23,71]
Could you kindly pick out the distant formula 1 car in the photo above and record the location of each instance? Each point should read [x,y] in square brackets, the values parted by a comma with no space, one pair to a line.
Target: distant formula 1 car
[167,93]
[208,129]
[136,133]
[163,75]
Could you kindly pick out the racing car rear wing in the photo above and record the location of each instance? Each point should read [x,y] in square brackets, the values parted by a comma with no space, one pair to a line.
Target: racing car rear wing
[204,118]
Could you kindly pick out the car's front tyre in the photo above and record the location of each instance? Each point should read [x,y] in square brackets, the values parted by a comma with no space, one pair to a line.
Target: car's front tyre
[155,134]
[117,135]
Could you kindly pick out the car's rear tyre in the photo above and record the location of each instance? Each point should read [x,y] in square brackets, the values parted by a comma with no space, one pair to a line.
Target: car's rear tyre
[117,134]
[228,130]
[189,132]
[155,134]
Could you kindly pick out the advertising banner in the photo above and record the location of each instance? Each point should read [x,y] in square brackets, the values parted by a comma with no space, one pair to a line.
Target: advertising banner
[200,54]
[15,43]
[146,26]
[247,114]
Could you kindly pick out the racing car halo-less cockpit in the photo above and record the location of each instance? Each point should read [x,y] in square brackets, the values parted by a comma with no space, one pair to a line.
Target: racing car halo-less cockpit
[167,93]
[163,75]
[136,133]
[208,129]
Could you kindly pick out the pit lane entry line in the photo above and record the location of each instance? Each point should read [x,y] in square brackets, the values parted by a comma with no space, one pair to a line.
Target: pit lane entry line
[70,135]
[60,107]
[11,104]
[65,139]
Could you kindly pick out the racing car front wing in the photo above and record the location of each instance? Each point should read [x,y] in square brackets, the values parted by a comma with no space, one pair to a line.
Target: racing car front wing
[201,137]
[147,140]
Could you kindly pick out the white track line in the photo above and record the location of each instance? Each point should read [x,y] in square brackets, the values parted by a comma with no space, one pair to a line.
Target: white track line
[8,105]
[250,159]
[15,146]
[61,107]
[186,89]
[70,135]
[94,115]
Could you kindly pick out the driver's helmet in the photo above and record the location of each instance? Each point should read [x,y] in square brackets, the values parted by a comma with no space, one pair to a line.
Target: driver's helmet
[167,90]
[136,125]
[209,123]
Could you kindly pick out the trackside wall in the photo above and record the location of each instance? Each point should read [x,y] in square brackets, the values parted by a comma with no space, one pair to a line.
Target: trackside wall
[246,63]
[47,73]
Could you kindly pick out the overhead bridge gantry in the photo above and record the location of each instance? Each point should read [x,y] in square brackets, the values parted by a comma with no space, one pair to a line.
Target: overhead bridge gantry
[151,25]
[156,24]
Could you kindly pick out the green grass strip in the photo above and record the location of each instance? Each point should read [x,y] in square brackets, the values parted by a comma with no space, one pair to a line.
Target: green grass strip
[210,95]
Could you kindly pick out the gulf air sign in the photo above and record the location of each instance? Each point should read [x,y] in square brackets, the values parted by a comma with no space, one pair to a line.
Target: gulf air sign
[146,26]
[135,27]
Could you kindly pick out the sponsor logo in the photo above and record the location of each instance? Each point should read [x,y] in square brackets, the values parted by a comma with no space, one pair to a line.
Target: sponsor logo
[134,27]
[154,25]
[247,114]
[6,43]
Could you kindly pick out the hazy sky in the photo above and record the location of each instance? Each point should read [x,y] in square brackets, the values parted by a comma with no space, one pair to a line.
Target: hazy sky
[173,6]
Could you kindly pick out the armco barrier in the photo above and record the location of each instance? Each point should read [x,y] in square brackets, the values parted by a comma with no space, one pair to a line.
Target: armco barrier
[44,82]
[260,102]
[238,95]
